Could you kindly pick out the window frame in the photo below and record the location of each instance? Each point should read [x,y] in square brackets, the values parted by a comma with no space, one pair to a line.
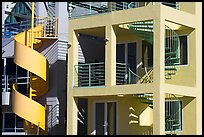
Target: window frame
[187,37]
[181,119]
[15,129]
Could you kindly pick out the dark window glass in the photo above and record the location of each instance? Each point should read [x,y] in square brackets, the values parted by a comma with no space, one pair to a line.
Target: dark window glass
[147,54]
[183,50]
[9,122]
[10,67]
[173,115]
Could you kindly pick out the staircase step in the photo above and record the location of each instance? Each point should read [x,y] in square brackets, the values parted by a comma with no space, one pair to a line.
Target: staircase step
[170,69]
[141,27]
[170,54]
[172,59]
[175,125]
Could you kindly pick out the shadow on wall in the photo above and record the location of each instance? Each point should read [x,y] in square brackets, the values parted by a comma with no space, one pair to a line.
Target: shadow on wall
[141,119]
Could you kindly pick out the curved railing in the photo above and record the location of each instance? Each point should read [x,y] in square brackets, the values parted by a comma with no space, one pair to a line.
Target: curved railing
[172,52]
[28,58]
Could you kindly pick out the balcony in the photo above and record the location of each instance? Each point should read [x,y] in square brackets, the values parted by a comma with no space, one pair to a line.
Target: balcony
[80,9]
[93,74]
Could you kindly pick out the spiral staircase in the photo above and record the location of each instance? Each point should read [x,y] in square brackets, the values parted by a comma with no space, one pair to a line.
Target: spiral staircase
[144,29]
[27,57]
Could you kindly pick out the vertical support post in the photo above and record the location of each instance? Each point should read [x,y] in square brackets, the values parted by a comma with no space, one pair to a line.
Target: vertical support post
[5,75]
[110,56]
[38,128]
[15,124]
[90,8]
[129,76]
[158,75]
[6,83]
[89,74]
[32,24]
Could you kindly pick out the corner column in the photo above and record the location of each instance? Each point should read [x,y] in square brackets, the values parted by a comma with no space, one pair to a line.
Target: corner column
[198,45]
[110,56]
[71,101]
[159,72]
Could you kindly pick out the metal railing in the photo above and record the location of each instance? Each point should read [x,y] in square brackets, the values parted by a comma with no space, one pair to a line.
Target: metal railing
[122,73]
[9,80]
[172,52]
[49,24]
[174,5]
[173,119]
[92,74]
[79,9]
[12,29]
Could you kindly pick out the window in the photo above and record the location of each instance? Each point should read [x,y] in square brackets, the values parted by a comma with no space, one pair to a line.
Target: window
[183,50]
[12,123]
[147,54]
[173,115]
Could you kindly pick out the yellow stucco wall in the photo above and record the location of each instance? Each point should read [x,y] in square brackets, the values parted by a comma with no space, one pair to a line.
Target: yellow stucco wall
[183,82]
[189,116]
[186,74]
[127,124]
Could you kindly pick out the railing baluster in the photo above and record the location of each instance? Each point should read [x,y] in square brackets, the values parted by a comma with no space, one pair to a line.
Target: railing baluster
[89,75]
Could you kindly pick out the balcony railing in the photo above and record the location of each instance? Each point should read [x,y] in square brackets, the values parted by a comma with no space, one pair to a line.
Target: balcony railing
[92,74]
[50,27]
[79,9]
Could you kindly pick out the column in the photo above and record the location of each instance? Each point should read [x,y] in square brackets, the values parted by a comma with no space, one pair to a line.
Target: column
[71,101]
[158,113]
[159,73]
[110,56]
[62,28]
[198,46]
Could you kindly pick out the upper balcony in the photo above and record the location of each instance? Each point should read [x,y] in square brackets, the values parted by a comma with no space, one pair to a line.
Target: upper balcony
[82,9]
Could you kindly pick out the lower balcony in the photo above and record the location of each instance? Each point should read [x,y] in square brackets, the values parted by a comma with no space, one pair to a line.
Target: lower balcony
[93,74]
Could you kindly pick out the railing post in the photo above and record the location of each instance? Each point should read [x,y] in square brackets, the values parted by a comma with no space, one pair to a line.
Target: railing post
[89,74]
[38,128]
[129,76]
[6,83]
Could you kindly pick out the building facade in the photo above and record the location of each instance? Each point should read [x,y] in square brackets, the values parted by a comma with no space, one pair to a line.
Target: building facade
[134,68]
[34,71]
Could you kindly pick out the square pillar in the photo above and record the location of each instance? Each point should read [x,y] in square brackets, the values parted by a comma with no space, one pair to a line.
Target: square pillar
[71,101]
[159,73]
[158,113]
[159,50]
[198,46]
[110,56]
[72,115]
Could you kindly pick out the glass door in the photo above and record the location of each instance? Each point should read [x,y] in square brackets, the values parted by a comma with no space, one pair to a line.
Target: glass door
[105,118]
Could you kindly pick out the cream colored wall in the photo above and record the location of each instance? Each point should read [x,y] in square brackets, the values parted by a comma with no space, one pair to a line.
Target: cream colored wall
[157,12]
[186,7]
[126,106]
[189,116]
[186,74]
